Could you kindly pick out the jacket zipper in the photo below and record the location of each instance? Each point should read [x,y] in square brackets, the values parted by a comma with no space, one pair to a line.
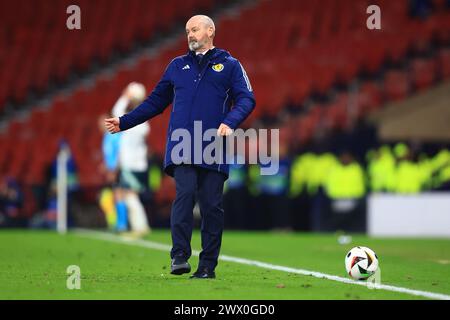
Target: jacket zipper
[198,78]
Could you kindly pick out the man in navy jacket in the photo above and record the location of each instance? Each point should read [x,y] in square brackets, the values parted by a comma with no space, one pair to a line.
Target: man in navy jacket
[210,87]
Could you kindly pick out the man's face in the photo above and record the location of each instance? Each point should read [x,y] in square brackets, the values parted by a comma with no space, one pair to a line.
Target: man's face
[197,34]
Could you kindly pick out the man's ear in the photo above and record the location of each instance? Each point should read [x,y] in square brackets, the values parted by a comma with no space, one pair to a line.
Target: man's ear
[210,32]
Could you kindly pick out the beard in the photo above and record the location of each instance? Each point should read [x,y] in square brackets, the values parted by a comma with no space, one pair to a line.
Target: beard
[195,45]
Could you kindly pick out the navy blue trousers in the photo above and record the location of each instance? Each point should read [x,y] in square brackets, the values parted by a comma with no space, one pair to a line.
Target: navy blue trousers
[205,186]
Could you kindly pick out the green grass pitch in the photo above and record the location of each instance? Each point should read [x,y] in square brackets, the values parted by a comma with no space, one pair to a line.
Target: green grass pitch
[33,266]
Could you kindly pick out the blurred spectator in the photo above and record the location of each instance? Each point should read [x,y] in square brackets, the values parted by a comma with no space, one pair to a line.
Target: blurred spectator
[320,170]
[440,165]
[109,169]
[272,200]
[72,176]
[300,203]
[236,195]
[345,188]
[408,174]
[133,163]
[48,218]
[381,169]
[346,179]
[154,184]
[11,200]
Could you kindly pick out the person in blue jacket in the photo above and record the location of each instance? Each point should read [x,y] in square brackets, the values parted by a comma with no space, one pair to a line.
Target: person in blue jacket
[210,87]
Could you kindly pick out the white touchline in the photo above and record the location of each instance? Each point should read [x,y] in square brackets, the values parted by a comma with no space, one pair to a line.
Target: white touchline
[164,247]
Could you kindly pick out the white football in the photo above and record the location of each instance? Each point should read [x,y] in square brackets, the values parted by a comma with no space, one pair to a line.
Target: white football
[361,263]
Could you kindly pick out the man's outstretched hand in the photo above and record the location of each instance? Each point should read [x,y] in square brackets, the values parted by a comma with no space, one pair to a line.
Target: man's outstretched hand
[112,125]
[224,130]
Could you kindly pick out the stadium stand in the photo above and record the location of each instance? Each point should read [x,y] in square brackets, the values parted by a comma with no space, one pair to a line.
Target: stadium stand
[109,26]
[325,65]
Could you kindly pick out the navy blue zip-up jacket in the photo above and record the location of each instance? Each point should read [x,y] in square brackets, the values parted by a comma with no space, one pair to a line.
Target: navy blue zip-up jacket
[198,93]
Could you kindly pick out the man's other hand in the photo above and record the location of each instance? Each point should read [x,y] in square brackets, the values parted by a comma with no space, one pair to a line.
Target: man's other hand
[224,130]
[112,125]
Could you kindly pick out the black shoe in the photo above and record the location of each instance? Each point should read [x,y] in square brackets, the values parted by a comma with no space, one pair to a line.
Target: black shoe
[179,266]
[203,273]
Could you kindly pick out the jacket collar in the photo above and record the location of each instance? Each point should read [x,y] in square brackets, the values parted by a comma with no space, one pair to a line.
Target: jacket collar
[215,54]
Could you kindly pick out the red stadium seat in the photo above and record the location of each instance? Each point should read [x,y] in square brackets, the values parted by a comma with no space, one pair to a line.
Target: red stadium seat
[396,85]
[444,63]
[106,26]
[423,73]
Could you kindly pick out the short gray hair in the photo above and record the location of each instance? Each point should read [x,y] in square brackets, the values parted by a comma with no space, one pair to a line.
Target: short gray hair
[207,21]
